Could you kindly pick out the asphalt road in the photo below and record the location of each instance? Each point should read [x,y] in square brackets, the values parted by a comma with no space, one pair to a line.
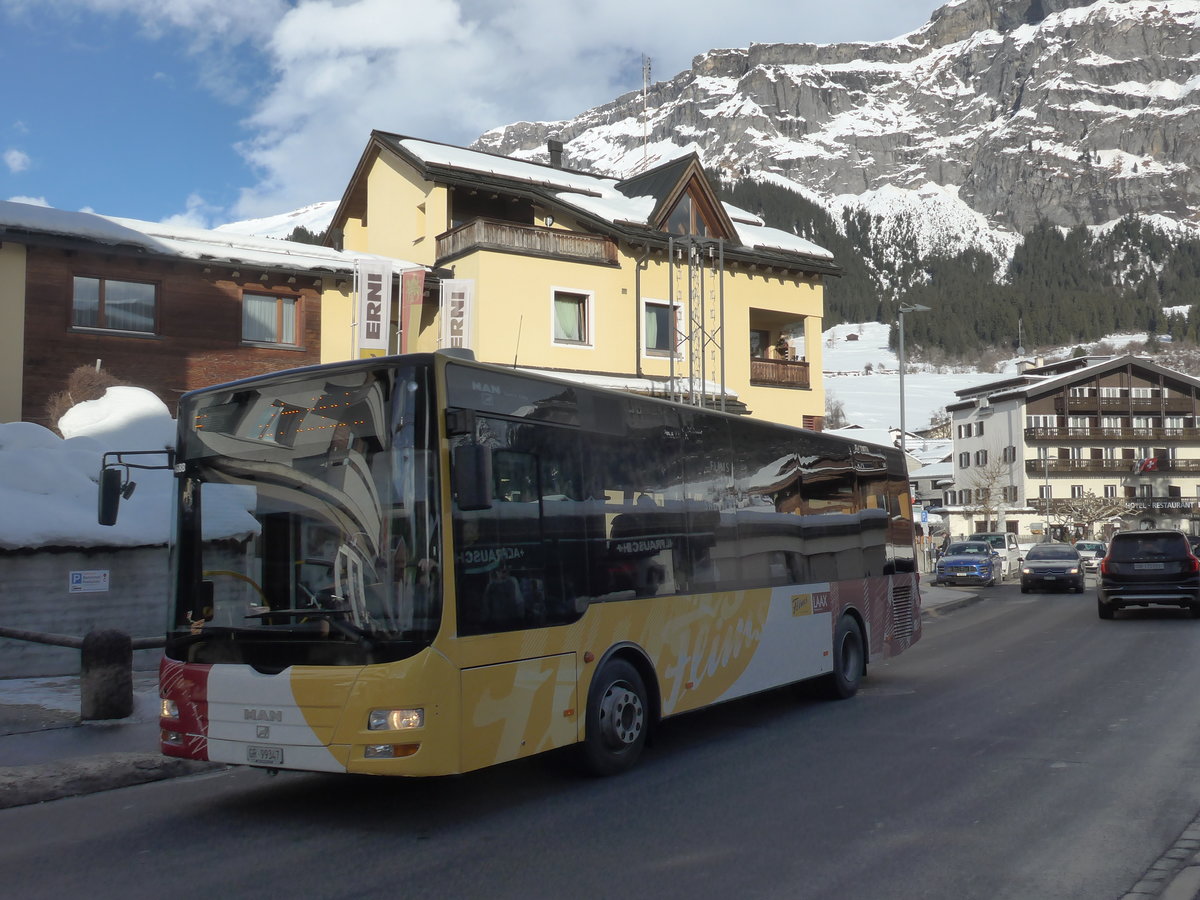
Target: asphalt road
[1023,749]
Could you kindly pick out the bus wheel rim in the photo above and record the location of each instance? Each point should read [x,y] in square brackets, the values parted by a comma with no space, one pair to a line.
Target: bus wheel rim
[622,715]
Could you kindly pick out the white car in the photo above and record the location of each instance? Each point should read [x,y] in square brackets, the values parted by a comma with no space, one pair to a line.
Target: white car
[1091,552]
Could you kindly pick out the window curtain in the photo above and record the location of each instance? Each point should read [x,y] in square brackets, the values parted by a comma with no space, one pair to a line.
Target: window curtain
[258,318]
[568,319]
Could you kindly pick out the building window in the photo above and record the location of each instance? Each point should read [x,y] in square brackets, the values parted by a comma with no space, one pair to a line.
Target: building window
[1174,490]
[1077,491]
[269,320]
[981,457]
[760,343]
[1010,454]
[964,460]
[1045,491]
[115,305]
[1010,494]
[1110,491]
[571,318]
[660,328]
[979,428]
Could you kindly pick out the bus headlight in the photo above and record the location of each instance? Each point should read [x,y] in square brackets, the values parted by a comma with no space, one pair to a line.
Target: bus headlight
[169,709]
[395,719]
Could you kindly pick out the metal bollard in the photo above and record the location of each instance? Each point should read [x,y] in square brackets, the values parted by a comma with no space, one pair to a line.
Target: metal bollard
[106,675]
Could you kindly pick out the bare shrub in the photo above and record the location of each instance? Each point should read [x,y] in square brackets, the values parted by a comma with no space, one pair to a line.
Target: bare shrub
[84,383]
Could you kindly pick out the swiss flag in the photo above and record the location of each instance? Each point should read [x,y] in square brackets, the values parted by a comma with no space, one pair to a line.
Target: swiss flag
[1150,464]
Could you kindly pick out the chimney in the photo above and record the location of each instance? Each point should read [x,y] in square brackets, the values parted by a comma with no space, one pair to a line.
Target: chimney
[555,147]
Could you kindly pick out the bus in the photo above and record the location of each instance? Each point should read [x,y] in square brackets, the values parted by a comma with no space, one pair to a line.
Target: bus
[425,565]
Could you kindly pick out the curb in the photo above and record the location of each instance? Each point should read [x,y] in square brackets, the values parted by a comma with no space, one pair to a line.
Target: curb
[38,783]
[949,606]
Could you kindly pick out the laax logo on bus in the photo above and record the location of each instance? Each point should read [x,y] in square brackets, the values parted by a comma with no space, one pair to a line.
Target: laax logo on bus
[262,715]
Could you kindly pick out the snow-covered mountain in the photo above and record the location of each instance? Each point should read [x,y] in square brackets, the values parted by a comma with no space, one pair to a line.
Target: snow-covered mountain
[995,116]
[315,217]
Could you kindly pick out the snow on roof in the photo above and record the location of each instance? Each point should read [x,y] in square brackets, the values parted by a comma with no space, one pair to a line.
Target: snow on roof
[599,196]
[180,241]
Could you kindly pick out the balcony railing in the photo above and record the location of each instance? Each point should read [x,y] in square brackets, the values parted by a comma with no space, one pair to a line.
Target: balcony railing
[1121,404]
[779,372]
[1104,466]
[1176,504]
[527,240]
[1111,434]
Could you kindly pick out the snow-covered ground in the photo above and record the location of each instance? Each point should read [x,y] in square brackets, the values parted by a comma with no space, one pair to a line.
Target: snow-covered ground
[873,400]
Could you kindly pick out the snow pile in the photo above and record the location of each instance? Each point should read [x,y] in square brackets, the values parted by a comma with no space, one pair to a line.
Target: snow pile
[49,485]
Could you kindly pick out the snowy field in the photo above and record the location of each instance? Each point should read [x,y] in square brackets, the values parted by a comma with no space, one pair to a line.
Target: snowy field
[873,401]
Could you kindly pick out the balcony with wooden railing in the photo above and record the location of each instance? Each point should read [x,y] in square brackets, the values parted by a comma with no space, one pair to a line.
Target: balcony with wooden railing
[1133,405]
[791,373]
[1105,466]
[525,240]
[1099,433]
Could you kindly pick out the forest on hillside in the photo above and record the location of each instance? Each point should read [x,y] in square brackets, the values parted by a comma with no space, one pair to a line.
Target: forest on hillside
[1060,289]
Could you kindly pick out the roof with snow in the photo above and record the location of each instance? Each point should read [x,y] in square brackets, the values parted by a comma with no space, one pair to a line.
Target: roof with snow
[1055,376]
[632,209]
[26,223]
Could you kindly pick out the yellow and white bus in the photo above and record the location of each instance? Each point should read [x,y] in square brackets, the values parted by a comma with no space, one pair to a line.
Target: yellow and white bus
[423,565]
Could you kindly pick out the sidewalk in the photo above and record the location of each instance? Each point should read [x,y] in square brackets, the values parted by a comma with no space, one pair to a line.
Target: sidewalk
[47,753]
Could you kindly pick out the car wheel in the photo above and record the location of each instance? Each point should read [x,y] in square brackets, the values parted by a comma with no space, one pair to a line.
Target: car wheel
[849,656]
[1024,588]
[1103,609]
[616,719]
[1194,610]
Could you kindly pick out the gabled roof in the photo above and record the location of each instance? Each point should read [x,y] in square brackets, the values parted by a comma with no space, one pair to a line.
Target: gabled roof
[668,183]
[631,209]
[1030,385]
[26,223]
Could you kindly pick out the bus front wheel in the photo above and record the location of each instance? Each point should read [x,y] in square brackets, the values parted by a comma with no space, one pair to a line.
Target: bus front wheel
[848,657]
[616,719]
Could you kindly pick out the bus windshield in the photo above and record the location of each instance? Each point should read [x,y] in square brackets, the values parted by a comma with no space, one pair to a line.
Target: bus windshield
[306,529]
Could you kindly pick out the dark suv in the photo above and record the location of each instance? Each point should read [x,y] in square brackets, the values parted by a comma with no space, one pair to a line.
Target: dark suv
[1149,568]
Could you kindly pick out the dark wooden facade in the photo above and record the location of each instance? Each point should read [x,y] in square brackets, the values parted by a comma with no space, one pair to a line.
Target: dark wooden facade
[198,339]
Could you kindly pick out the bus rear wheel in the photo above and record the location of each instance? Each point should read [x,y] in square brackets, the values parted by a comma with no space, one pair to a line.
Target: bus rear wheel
[616,719]
[849,655]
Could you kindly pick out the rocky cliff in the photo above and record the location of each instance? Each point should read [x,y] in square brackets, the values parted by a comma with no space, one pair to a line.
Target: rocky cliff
[1026,111]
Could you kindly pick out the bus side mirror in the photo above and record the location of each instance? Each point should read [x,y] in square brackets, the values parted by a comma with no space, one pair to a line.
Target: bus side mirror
[473,476]
[110,496]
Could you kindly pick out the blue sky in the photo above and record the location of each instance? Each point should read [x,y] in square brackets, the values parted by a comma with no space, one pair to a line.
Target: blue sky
[209,111]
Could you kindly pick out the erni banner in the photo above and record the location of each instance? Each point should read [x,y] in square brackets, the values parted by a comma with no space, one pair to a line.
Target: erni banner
[456,298]
[373,286]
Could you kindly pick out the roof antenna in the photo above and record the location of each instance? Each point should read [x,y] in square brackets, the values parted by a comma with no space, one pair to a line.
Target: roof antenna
[517,349]
[645,108]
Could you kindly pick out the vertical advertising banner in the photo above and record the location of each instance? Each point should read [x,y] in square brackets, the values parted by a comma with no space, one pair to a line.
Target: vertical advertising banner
[373,287]
[456,301]
[412,296]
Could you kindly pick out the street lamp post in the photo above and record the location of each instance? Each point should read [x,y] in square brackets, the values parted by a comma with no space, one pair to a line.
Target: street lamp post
[903,308]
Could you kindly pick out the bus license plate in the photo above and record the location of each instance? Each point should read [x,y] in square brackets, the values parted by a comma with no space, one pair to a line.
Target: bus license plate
[264,756]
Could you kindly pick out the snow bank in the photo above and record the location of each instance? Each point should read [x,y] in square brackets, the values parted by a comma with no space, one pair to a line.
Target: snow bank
[49,485]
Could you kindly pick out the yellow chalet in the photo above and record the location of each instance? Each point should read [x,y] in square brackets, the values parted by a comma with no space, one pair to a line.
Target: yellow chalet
[648,284]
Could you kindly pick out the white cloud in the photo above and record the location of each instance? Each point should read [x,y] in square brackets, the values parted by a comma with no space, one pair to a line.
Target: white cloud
[16,160]
[32,201]
[198,214]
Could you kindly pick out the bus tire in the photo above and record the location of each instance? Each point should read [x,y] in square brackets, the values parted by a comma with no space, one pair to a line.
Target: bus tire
[617,719]
[848,658]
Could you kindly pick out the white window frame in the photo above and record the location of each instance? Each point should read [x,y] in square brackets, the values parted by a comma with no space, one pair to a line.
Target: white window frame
[589,317]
